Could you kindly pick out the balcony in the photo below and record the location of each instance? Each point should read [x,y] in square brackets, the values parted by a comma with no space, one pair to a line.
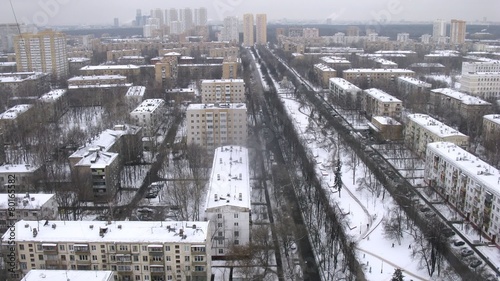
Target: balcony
[81,248]
[123,268]
[49,248]
[120,258]
[158,269]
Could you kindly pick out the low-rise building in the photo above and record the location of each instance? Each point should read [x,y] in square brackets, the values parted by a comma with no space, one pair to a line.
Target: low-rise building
[133,250]
[228,203]
[481,66]
[14,118]
[485,85]
[132,72]
[114,55]
[211,125]
[22,84]
[23,177]
[384,63]
[414,92]
[223,91]
[344,93]
[324,73]
[14,207]
[149,115]
[337,63]
[230,67]
[75,64]
[428,68]
[467,183]
[376,102]
[491,132]
[53,104]
[386,128]
[134,96]
[369,75]
[97,81]
[422,129]
[466,106]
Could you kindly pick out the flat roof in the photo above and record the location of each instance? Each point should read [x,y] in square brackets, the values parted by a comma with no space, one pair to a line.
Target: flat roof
[136,91]
[436,127]
[78,59]
[334,60]
[378,70]
[15,111]
[495,118]
[194,106]
[383,61]
[323,67]
[97,78]
[469,164]
[386,120]
[395,52]
[464,98]
[148,105]
[17,168]
[220,81]
[485,74]
[97,159]
[8,63]
[414,81]
[157,232]
[65,275]
[427,64]
[344,84]
[229,183]
[111,66]
[53,95]
[25,201]
[381,95]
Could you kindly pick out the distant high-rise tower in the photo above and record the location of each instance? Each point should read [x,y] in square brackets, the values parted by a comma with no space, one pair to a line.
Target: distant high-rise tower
[230,30]
[261,29]
[158,13]
[138,17]
[457,32]
[248,34]
[438,29]
[42,52]
[116,22]
[200,16]
[187,18]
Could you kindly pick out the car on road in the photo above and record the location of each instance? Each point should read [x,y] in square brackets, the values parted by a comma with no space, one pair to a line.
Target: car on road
[458,243]
[151,194]
[466,252]
[425,209]
[475,263]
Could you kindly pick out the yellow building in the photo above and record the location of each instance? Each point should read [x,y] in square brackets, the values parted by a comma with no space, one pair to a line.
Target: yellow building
[261,29]
[230,68]
[324,73]
[248,33]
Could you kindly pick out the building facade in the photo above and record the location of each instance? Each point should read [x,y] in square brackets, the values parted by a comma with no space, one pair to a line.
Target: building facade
[230,30]
[42,52]
[344,93]
[467,183]
[369,75]
[248,30]
[133,250]
[261,29]
[457,31]
[491,132]
[324,73]
[223,91]
[228,203]
[466,106]
[210,125]
[149,115]
[485,85]
[421,129]
[376,102]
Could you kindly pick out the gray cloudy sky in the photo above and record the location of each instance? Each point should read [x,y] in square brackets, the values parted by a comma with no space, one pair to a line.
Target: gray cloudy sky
[72,12]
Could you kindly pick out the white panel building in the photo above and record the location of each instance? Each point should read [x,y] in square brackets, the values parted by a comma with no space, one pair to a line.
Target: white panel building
[223,91]
[149,115]
[228,203]
[485,85]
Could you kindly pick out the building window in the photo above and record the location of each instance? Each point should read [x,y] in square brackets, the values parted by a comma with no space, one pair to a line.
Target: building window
[236,216]
[236,233]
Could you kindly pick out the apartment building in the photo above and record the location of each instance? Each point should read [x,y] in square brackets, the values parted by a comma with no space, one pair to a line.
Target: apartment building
[65,275]
[135,96]
[467,106]
[132,72]
[485,85]
[24,175]
[324,73]
[438,30]
[386,128]
[133,250]
[248,30]
[228,203]
[261,29]
[467,183]
[53,104]
[344,93]
[19,116]
[166,69]
[480,66]
[98,81]
[212,125]
[230,32]
[223,91]
[26,206]
[149,115]
[457,31]
[412,86]
[376,102]
[422,129]
[230,68]
[337,63]
[491,132]
[360,75]
[21,84]
[114,55]
[44,51]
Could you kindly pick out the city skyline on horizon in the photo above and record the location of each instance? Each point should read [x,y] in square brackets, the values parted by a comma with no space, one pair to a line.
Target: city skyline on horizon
[59,12]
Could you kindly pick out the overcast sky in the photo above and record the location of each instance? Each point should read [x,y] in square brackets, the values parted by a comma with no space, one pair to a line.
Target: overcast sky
[76,12]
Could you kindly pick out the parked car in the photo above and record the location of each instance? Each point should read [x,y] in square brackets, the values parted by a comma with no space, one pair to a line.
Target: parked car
[475,263]
[466,252]
[458,243]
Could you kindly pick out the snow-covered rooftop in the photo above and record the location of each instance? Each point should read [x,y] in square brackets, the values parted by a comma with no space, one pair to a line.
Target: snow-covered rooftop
[215,106]
[25,201]
[97,78]
[8,63]
[218,81]
[17,168]
[493,118]
[110,67]
[344,84]
[415,81]
[323,67]
[149,105]
[230,179]
[495,74]
[20,76]
[464,98]
[395,52]
[136,91]
[383,61]
[381,95]
[378,70]
[97,159]
[444,53]
[427,64]
[68,275]
[155,232]
[15,111]
[53,95]
[386,120]
[436,127]
[469,164]
[334,60]
[78,59]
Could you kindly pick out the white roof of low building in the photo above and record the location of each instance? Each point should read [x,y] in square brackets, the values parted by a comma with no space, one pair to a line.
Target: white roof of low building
[485,74]
[438,128]
[110,66]
[78,59]
[136,91]
[344,84]
[386,120]
[464,98]
[383,61]
[415,81]
[97,159]
[97,78]
[222,81]
[323,67]
[53,95]
[469,164]
[17,168]
[68,275]
[195,106]
[8,63]
[157,232]
[24,201]
[493,118]
[335,60]
[395,52]
[149,105]
[15,111]
[378,70]
[381,95]
[229,183]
